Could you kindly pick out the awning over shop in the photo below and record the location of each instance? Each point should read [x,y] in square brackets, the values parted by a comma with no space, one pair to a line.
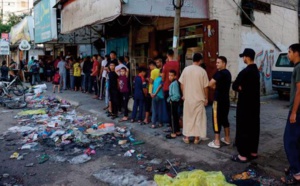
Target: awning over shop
[91,12]
[22,31]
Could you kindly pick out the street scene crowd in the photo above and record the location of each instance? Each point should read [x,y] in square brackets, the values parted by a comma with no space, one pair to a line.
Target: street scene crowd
[162,94]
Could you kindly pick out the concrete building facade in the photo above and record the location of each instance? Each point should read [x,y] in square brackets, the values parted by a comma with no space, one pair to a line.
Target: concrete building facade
[17,7]
[274,33]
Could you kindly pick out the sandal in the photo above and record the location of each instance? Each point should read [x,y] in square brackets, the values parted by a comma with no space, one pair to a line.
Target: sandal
[153,126]
[290,180]
[178,134]
[122,120]
[197,141]
[236,158]
[169,136]
[132,121]
[186,140]
[143,123]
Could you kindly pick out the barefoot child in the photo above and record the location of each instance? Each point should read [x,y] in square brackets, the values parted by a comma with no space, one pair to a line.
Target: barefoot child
[56,80]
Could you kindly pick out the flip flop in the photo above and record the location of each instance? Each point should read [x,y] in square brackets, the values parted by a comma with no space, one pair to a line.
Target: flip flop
[122,120]
[169,136]
[236,158]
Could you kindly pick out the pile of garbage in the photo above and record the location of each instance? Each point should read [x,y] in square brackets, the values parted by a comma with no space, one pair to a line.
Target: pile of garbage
[52,123]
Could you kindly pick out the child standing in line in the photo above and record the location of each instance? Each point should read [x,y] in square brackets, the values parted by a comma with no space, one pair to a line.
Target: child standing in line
[140,92]
[113,90]
[77,75]
[56,81]
[157,102]
[124,90]
[173,100]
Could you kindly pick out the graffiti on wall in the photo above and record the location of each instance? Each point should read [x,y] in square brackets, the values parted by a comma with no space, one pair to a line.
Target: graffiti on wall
[265,61]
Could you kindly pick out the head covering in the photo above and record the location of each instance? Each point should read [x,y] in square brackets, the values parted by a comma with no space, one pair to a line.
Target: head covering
[248,52]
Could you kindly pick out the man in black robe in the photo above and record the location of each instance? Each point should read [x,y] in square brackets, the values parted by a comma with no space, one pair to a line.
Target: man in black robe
[247,84]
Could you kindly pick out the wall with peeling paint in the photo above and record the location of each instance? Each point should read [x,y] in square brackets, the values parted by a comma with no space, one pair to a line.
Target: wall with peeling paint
[281,25]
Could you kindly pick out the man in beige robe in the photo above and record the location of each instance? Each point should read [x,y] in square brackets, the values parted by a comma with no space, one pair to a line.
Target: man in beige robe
[194,85]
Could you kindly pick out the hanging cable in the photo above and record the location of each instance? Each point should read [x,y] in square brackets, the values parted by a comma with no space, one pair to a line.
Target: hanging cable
[125,23]
[262,32]
[180,6]
[145,24]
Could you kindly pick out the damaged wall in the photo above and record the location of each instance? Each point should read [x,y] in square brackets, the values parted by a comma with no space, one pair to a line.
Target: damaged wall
[281,25]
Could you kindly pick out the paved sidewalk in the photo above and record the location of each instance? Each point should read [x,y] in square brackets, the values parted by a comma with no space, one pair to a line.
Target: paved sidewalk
[273,117]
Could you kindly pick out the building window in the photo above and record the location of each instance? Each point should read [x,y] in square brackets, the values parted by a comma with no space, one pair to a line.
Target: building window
[249,6]
[24,4]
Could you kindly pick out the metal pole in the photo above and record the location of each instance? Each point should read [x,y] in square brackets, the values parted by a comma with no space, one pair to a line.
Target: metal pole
[177,6]
[2,12]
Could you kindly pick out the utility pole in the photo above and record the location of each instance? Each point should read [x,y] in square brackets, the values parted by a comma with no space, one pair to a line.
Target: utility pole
[177,6]
[2,12]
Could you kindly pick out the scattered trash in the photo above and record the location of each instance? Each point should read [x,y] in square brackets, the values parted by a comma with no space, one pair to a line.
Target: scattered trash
[5,175]
[43,158]
[89,151]
[29,145]
[156,161]
[32,112]
[59,159]
[138,143]
[129,153]
[149,169]
[15,155]
[140,156]
[122,177]
[122,142]
[196,177]
[80,159]
[29,165]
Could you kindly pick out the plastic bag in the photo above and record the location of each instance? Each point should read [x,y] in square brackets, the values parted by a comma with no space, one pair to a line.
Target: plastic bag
[193,178]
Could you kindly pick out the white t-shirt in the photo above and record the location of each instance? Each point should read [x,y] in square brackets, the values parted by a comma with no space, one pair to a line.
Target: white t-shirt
[119,67]
[103,64]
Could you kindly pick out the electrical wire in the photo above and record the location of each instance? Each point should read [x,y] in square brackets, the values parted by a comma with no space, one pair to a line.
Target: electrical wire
[126,22]
[146,24]
[262,32]
[180,5]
